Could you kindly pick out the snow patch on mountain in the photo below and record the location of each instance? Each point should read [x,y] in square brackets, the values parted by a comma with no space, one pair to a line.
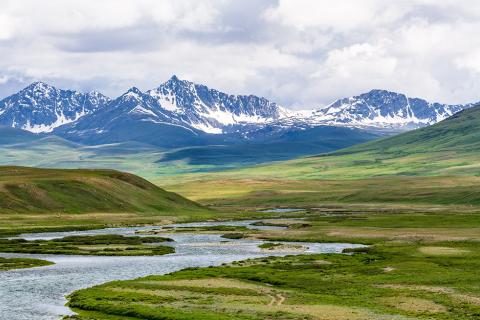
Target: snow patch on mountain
[142,110]
[60,121]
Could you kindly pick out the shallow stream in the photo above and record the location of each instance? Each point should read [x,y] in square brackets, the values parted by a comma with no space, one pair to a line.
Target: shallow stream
[39,293]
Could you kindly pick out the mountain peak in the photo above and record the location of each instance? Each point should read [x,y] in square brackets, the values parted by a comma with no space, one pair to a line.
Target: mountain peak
[175,82]
[379,94]
[40,107]
[38,85]
[134,90]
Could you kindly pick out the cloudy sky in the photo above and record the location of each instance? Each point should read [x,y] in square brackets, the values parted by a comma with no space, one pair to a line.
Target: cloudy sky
[299,53]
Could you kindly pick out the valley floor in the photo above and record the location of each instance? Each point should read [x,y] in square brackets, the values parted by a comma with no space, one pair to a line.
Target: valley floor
[419,265]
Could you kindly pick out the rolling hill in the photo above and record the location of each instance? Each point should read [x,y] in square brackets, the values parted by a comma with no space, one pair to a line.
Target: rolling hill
[449,147]
[438,164]
[34,198]
[459,133]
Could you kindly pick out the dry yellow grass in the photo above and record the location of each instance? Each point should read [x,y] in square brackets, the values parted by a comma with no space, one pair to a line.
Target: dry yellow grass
[416,305]
[442,251]
[266,301]
[210,282]
[393,234]
[469,298]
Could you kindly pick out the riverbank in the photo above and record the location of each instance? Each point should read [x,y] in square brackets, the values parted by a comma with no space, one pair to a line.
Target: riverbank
[39,293]
[420,265]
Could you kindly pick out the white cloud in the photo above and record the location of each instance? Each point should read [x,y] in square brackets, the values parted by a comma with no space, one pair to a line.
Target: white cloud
[345,15]
[469,61]
[300,53]
[6,27]
[3,79]
[358,61]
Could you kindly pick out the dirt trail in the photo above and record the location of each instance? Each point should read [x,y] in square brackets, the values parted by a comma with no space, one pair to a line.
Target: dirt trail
[276,300]
[280,300]
[272,300]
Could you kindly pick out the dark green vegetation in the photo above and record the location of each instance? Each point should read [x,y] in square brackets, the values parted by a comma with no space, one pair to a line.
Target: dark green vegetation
[420,265]
[269,245]
[20,263]
[100,245]
[233,235]
[48,199]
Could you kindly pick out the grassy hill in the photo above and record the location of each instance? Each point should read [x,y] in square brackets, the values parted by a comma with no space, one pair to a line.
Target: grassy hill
[448,147]
[23,148]
[433,165]
[43,198]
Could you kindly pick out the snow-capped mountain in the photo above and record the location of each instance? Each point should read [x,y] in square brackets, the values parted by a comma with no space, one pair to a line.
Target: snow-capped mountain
[379,109]
[191,109]
[190,122]
[42,108]
[176,105]
[210,110]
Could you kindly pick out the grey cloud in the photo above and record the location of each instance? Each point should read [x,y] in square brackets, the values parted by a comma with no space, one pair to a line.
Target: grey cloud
[426,49]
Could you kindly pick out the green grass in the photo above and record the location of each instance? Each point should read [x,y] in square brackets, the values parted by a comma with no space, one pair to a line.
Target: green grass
[99,245]
[419,266]
[457,193]
[436,165]
[27,190]
[59,199]
[21,263]
[450,147]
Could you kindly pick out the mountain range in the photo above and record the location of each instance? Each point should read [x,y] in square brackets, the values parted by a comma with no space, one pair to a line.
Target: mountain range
[41,108]
[203,126]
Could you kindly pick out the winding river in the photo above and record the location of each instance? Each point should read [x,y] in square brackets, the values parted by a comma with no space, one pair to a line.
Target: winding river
[39,293]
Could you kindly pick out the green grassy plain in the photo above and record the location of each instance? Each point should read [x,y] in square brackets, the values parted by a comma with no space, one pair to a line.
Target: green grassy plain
[414,199]
[419,265]
[454,193]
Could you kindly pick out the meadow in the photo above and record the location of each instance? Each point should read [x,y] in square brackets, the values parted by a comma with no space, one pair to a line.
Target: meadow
[413,199]
[419,265]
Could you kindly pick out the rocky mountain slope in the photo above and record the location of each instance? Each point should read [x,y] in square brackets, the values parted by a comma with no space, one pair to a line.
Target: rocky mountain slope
[382,109]
[42,108]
